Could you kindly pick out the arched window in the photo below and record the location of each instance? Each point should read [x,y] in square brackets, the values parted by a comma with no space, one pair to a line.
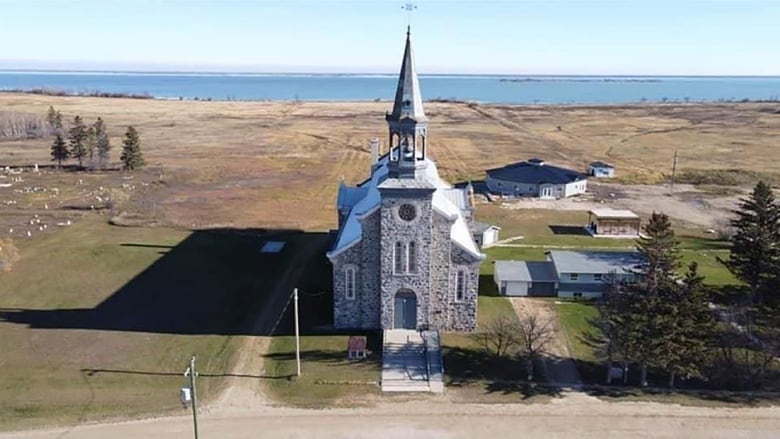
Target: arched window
[460,285]
[349,284]
[398,257]
[411,257]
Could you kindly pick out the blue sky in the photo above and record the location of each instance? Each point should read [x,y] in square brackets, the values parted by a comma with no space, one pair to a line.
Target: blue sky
[531,37]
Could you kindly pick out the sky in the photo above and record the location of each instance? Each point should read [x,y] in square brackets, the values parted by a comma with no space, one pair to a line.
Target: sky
[627,37]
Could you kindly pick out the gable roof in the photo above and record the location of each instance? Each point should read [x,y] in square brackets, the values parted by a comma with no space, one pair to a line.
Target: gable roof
[602,262]
[352,232]
[535,173]
[525,271]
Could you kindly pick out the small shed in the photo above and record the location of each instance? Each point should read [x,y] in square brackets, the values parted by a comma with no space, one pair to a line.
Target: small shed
[525,278]
[601,170]
[613,222]
[356,348]
[485,234]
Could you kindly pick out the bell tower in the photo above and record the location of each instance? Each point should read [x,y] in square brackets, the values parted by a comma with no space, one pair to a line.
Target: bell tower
[407,123]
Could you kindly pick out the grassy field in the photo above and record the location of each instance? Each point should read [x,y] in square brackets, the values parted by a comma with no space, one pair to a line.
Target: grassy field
[100,321]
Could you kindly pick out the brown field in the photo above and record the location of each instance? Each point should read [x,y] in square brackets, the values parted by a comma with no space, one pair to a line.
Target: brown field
[255,165]
[278,163]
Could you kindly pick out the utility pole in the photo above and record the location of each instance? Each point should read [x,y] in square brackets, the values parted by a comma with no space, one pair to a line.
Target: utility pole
[192,374]
[297,333]
[674,171]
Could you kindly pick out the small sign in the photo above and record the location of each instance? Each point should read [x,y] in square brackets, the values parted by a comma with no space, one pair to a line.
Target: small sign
[356,348]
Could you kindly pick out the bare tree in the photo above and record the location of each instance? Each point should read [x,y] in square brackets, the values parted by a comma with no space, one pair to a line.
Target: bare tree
[534,335]
[499,337]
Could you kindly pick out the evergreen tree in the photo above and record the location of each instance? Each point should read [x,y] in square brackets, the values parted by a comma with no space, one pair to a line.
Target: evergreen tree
[59,151]
[648,325]
[103,145]
[77,136]
[616,327]
[131,150]
[688,326]
[54,119]
[755,247]
[90,144]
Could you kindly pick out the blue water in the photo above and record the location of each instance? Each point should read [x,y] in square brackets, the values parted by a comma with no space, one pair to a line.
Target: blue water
[481,88]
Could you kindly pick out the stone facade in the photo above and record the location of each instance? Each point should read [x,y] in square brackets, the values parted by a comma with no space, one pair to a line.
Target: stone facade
[404,231]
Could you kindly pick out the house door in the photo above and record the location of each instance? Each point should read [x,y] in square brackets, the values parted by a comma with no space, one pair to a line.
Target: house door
[405,311]
[546,192]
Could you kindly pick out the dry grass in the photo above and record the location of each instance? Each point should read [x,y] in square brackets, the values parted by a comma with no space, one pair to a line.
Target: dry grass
[278,163]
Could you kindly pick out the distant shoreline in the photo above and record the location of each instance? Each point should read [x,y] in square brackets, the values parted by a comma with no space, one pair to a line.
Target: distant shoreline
[506,76]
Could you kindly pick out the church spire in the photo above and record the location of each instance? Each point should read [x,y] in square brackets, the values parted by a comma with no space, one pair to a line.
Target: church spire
[408,99]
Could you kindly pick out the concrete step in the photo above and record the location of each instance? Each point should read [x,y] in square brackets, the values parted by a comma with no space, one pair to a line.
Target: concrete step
[405,386]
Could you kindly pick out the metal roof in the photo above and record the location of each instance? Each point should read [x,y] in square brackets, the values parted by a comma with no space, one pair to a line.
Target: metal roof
[613,213]
[408,99]
[525,271]
[481,227]
[602,262]
[529,172]
[598,164]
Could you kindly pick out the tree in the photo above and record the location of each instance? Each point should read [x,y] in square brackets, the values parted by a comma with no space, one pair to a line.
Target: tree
[9,254]
[499,337]
[90,144]
[648,327]
[77,136]
[615,327]
[534,336]
[54,119]
[103,145]
[689,325]
[131,150]
[59,151]
[755,247]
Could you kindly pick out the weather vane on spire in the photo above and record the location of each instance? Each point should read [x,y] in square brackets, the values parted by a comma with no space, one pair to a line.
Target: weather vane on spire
[409,7]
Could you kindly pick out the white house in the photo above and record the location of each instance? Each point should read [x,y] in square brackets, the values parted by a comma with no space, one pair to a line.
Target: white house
[566,273]
[601,170]
[535,178]
[525,278]
[485,234]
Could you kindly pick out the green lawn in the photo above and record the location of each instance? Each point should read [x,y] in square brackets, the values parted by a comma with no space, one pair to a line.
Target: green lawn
[574,320]
[99,321]
[327,378]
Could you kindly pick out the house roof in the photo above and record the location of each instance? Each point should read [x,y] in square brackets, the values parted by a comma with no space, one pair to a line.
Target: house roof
[613,214]
[598,164]
[480,227]
[525,271]
[535,172]
[602,262]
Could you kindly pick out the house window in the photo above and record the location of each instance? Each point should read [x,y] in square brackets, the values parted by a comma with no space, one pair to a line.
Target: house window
[574,276]
[577,294]
[398,256]
[411,257]
[597,277]
[460,286]
[349,289]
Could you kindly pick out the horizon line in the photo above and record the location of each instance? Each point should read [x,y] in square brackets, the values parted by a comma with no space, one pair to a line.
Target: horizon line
[375,73]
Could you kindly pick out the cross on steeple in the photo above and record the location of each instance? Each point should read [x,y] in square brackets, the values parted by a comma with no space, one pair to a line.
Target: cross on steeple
[409,7]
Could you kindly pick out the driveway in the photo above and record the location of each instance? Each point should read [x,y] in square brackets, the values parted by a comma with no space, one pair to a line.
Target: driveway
[558,365]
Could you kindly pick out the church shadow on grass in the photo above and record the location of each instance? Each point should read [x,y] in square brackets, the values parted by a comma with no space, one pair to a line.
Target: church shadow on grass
[214,282]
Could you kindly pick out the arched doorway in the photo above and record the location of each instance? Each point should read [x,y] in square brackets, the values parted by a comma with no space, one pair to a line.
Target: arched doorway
[405,310]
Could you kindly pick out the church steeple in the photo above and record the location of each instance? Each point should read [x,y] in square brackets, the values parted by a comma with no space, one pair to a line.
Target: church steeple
[407,123]
[408,100]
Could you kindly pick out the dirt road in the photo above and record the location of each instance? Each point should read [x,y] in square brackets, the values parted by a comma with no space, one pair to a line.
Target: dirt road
[574,415]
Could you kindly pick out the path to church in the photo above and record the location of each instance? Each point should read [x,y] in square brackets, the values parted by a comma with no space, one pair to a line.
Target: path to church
[574,415]
[558,366]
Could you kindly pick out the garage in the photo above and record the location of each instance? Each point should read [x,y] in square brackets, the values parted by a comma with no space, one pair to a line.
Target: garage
[525,278]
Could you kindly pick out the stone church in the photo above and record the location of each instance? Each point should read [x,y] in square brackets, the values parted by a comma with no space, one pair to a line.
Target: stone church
[404,256]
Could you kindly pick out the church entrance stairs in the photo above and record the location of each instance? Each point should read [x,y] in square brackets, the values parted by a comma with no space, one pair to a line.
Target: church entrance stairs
[406,364]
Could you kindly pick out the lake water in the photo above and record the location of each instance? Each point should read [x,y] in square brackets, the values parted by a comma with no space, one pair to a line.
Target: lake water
[330,87]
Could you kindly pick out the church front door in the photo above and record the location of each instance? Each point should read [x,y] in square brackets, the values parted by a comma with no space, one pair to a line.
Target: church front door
[405,312]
